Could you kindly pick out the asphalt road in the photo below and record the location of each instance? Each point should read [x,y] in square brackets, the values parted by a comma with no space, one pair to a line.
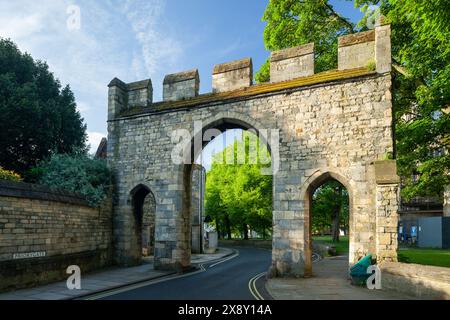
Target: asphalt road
[228,280]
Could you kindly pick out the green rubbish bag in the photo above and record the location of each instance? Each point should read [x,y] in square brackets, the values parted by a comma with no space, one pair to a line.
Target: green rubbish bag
[358,272]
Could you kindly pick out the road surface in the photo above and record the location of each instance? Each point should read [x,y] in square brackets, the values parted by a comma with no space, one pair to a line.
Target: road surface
[229,280]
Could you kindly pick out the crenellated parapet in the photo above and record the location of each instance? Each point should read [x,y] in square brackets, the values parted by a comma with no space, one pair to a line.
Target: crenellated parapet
[233,75]
[292,63]
[182,85]
[123,96]
[369,51]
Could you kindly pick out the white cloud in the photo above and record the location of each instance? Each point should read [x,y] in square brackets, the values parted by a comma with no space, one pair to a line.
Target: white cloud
[94,139]
[127,40]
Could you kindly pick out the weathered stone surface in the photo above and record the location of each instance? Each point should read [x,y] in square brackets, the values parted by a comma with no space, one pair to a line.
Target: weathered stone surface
[356,38]
[197,211]
[386,172]
[383,48]
[387,202]
[292,63]
[232,75]
[122,96]
[182,85]
[332,125]
[34,218]
[424,282]
[142,148]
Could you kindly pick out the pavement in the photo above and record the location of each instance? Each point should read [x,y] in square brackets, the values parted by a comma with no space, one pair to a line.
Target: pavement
[107,279]
[330,281]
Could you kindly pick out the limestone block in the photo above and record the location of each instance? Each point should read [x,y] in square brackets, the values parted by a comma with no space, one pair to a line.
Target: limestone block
[292,63]
[232,75]
[383,48]
[182,85]
[356,50]
[140,93]
[386,172]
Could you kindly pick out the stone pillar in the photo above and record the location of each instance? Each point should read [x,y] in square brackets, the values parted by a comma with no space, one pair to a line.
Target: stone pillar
[117,97]
[173,220]
[383,48]
[122,96]
[446,208]
[197,209]
[387,203]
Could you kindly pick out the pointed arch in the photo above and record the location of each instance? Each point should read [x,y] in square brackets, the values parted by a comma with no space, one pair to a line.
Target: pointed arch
[317,179]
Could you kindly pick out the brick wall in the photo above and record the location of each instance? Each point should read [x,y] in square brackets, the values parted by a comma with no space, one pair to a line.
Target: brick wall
[42,232]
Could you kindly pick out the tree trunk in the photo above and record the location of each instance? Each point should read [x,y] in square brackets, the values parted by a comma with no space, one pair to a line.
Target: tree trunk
[228,227]
[336,218]
[218,229]
[245,231]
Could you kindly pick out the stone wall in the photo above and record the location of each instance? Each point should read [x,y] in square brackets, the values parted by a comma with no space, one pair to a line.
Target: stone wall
[148,226]
[43,231]
[424,282]
[331,125]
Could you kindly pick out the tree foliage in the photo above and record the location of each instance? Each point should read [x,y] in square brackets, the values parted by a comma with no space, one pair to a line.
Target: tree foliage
[330,209]
[238,196]
[76,172]
[421,73]
[292,23]
[9,175]
[37,116]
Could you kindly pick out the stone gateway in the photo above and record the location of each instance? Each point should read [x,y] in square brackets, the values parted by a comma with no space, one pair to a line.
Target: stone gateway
[336,124]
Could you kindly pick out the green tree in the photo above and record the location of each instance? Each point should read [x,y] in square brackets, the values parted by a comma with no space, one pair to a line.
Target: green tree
[76,172]
[292,23]
[330,209]
[238,196]
[421,74]
[37,117]
[421,59]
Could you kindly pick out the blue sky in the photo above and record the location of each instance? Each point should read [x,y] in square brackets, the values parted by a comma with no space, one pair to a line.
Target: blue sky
[136,39]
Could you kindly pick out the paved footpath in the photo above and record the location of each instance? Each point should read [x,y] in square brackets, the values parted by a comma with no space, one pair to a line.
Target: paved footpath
[329,282]
[107,279]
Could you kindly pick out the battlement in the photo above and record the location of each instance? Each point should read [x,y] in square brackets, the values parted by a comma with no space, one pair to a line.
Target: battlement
[369,50]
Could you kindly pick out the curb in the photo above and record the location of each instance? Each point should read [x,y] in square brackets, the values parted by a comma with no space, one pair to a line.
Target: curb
[194,267]
[199,265]
[119,286]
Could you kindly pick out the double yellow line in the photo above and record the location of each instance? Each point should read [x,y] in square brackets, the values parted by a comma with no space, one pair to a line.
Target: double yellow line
[252,286]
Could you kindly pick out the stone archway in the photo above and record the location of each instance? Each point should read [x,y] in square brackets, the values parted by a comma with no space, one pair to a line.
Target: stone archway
[336,119]
[148,225]
[143,207]
[222,121]
[318,179]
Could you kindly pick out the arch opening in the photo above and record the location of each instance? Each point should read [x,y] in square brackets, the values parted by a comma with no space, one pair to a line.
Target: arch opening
[328,206]
[144,210]
[194,203]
